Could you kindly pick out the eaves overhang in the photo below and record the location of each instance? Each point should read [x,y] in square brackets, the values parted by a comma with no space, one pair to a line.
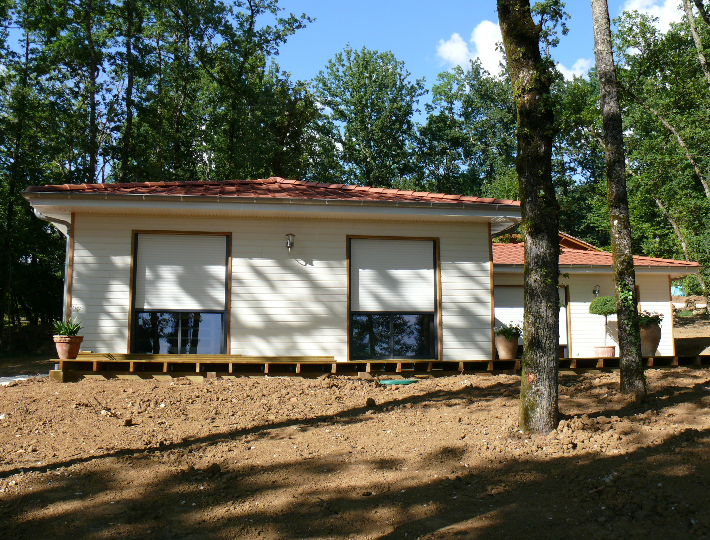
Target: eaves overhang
[501,216]
[672,270]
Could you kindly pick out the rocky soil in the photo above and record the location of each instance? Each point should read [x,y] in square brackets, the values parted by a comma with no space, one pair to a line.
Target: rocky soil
[340,457]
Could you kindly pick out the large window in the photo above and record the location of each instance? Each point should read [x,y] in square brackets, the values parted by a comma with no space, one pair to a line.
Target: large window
[385,335]
[392,299]
[180,299]
[178,332]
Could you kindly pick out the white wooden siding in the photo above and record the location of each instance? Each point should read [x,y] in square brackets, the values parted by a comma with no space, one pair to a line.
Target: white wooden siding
[587,330]
[283,303]
[509,308]
[655,295]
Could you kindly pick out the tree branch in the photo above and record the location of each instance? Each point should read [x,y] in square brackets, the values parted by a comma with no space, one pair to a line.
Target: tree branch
[696,38]
[703,12]
[675,132]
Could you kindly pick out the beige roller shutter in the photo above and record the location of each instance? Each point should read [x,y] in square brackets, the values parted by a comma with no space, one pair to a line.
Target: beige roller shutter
[508,304]
[180,271]
[392,275]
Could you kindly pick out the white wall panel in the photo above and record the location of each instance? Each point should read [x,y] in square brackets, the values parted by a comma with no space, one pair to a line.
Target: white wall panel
[283,303]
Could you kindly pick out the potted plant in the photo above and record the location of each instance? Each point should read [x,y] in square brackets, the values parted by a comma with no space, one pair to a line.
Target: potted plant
[66,339]
[507,340]
[604,305]
[650,326]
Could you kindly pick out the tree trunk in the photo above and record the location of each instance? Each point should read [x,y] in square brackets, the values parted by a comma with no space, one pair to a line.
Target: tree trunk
[540,215]
[127,134]
[93,77]
[632,380]
[703,12]
[696,39]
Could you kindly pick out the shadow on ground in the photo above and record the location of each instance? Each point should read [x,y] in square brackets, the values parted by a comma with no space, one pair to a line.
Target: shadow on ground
[657,491]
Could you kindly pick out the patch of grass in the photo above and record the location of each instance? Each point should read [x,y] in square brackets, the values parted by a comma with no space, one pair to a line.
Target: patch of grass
[684,313]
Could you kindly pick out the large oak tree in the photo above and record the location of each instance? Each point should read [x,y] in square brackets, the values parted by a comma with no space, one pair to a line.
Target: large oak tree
[531,78]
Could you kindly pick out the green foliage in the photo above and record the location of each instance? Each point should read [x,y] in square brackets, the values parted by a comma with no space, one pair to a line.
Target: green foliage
[509,331]
[603,305]
[690,286]
[627,298]
[467,144]
[683,313]
[135,91]
[368,104]
[69,327]
[551,14]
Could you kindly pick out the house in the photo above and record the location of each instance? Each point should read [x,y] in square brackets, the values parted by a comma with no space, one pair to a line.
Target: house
[587,273]
[278,267]
[283,267]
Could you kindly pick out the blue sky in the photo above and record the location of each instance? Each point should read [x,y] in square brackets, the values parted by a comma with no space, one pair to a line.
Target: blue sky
[432,36]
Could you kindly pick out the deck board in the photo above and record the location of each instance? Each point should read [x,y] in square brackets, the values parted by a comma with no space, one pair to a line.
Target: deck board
[121,365]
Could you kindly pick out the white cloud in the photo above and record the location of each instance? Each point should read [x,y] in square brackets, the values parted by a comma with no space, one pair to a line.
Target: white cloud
[580,69]
[455,51]
[667,11]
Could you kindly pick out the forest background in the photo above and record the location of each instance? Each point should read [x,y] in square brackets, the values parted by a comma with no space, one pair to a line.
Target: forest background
[163,90]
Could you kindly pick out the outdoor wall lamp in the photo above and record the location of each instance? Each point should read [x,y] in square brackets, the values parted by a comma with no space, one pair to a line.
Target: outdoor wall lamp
[595,291]
[290,241]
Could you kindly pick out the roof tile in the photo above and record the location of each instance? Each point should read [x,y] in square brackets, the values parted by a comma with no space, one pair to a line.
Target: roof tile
[268,188]
[515,254]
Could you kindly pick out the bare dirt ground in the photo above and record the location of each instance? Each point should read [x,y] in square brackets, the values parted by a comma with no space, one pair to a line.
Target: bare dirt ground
[345,458]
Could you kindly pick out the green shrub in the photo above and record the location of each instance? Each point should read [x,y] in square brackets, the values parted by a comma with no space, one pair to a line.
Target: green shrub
[69,328]
[684,313]
[603,305]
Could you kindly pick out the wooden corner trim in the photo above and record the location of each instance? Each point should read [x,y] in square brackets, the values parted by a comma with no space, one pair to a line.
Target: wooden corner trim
[437,292]
[347,293]
[228,299]
[70,266]
[492,293]
[132,288]
[439,315]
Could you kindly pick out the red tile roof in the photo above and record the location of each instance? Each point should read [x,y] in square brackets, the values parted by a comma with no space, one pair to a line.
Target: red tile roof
[569,241]
[270,188]
[514,254]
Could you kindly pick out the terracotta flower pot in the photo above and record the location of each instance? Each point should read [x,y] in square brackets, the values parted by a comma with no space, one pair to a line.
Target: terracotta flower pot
[607,351]
[650,338]
[507,348]
[68,346]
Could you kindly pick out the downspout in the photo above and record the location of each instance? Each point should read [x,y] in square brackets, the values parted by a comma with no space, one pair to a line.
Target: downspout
[67,224]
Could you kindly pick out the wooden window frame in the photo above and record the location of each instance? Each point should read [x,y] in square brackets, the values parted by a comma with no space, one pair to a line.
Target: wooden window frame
[438,340]
[226,318]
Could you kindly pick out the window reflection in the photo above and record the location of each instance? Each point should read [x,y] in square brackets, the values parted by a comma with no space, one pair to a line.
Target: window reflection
[178,333]
[379,335]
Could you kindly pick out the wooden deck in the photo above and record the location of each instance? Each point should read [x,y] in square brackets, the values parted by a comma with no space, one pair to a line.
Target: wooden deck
[142,366]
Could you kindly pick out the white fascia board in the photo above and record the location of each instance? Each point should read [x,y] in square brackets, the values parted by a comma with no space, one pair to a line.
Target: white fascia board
[673,271]
[500,216]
